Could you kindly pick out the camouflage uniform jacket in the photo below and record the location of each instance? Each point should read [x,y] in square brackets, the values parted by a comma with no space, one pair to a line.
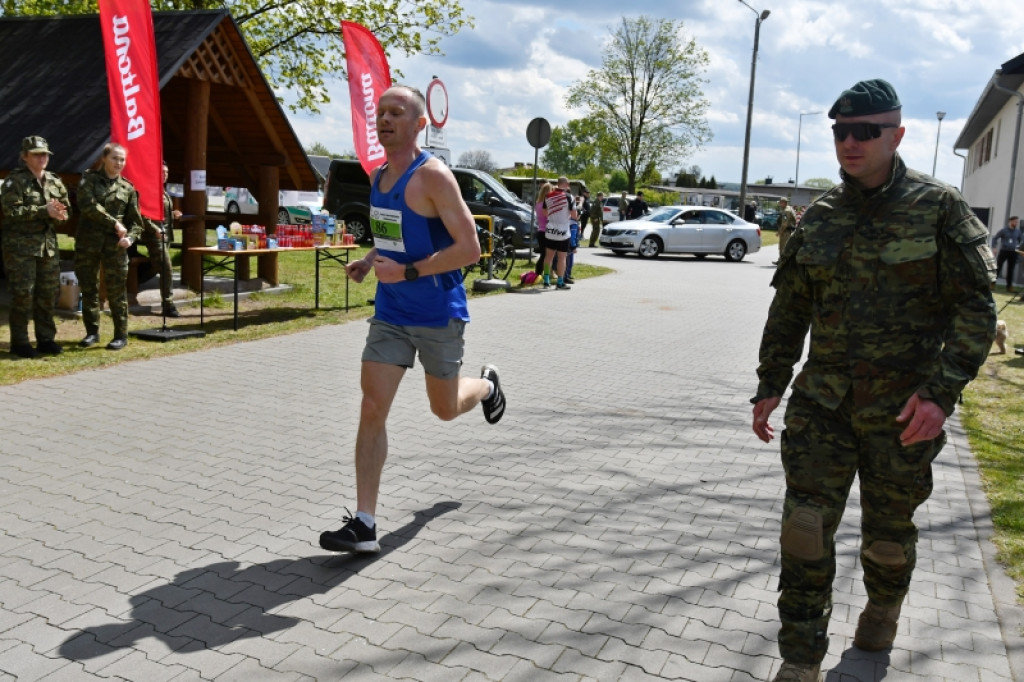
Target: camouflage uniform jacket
[787,219]
[29,231]
[895,287]
[103,203]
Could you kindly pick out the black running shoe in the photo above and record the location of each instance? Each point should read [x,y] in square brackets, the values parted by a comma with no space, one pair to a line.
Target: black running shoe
[494,407]
[354,536]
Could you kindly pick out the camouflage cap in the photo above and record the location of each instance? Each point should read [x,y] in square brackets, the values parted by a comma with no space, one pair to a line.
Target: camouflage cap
[34,144]
[866,97]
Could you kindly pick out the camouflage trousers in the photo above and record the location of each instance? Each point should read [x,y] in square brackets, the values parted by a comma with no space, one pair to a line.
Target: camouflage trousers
[114,260]
[822,451]
[160,261]
[34,283]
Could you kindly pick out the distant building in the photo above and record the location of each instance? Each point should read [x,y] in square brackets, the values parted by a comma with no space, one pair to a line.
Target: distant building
[989,137]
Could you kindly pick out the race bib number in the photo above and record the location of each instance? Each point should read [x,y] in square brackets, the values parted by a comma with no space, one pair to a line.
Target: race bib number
[386,227]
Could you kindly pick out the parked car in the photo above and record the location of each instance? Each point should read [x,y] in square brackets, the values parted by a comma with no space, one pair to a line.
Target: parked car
[347,196]
[294,208]
[486,196]
[699,230]
[610,208]
[768,219]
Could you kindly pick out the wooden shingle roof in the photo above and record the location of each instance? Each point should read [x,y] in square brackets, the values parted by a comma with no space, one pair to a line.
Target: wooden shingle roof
[53,83]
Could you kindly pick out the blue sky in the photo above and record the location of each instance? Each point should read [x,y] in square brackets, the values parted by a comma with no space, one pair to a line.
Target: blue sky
[523,55]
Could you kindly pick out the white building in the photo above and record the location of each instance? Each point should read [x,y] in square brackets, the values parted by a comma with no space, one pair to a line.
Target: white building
[993,182]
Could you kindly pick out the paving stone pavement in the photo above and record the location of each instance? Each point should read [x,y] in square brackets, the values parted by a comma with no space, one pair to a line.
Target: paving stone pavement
[159,519]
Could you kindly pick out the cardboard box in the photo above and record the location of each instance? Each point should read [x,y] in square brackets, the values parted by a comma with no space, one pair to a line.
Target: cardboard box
[70,296]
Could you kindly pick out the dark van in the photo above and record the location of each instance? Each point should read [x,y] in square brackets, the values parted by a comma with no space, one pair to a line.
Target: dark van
[347,196]
[485,195]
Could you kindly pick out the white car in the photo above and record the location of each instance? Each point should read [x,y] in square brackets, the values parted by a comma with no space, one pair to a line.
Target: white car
[294,208]
[699,230]
[610,207]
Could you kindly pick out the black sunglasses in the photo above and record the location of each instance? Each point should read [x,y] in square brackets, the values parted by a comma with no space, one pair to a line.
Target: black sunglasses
[862,132]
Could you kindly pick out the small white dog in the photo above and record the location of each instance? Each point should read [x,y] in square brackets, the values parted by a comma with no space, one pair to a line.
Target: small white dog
[1001,336]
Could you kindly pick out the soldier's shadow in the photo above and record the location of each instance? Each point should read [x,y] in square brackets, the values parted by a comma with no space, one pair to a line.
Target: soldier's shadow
[210,606]
[860,665]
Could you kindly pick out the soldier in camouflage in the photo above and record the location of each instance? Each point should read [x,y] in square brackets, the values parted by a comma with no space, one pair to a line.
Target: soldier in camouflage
[110,223]
[892,274]
[786,224]
[35,202]
[155,238]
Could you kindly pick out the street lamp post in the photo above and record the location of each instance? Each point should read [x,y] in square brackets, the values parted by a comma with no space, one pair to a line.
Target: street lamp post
[750,105]
[799,130]
[940,115]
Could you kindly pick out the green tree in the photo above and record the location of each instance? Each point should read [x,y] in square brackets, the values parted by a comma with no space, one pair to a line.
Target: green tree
[298,42]
[575,146]
[618,182]
[647,96]
[819,183]
[319,149]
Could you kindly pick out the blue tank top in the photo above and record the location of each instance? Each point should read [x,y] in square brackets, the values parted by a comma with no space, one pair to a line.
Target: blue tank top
[406,237]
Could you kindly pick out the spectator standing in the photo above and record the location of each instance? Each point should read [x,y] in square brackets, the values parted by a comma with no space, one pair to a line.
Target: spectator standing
[574,241]
[1010,241]
[542,226]
[424,235]
[901,316]
[560,210]
[786,224]
[583,208]
[623,203]
[34,202]
[750,212]
[107,202]
[596,219]
[637,207]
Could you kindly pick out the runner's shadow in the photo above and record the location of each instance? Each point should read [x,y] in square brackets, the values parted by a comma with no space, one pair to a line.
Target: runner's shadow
[210,606]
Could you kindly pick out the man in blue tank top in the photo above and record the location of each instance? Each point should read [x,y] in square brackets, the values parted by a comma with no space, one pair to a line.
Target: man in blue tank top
[423,236]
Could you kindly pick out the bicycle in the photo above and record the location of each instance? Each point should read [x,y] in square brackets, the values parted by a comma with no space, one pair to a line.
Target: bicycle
[501,253]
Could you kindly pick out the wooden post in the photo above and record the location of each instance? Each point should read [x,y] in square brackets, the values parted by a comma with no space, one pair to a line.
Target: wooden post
[270,183]
[194,203]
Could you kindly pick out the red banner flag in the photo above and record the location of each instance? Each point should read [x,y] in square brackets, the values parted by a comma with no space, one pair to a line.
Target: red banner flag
[130,51]
[368,78]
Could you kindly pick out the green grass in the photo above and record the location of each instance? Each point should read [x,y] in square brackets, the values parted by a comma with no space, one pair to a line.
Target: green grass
[993,415]
[260,315]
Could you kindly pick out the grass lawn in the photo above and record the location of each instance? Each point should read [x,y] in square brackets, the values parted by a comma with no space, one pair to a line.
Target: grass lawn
[993,414]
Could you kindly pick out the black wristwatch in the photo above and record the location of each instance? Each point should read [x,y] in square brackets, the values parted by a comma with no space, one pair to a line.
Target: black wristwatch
[411,273]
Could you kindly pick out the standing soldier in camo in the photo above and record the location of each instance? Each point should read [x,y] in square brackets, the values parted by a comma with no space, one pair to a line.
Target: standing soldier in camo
[107,202]
[891,272]
[155,237]
[34,202]
[786,224]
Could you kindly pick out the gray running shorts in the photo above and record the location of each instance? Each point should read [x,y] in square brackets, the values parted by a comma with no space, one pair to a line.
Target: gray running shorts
[440,348]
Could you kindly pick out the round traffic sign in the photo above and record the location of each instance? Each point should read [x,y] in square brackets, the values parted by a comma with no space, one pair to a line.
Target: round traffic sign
[437,103]
[538,133]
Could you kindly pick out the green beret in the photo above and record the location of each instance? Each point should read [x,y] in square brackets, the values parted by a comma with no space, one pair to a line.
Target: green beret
[867,97]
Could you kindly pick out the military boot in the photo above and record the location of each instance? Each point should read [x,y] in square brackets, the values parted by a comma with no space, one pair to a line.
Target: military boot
[798,672]
[876,628]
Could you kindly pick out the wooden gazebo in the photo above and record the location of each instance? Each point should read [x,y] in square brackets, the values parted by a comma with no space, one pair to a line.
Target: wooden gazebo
[219,115]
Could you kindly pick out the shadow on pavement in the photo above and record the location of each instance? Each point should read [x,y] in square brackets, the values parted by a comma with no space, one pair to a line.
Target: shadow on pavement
[210,606]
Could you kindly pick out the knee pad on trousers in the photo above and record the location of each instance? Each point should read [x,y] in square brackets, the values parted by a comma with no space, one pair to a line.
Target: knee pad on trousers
[802,534]
[886,553]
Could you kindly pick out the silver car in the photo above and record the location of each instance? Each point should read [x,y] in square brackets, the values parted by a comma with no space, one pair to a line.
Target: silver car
[699,230]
